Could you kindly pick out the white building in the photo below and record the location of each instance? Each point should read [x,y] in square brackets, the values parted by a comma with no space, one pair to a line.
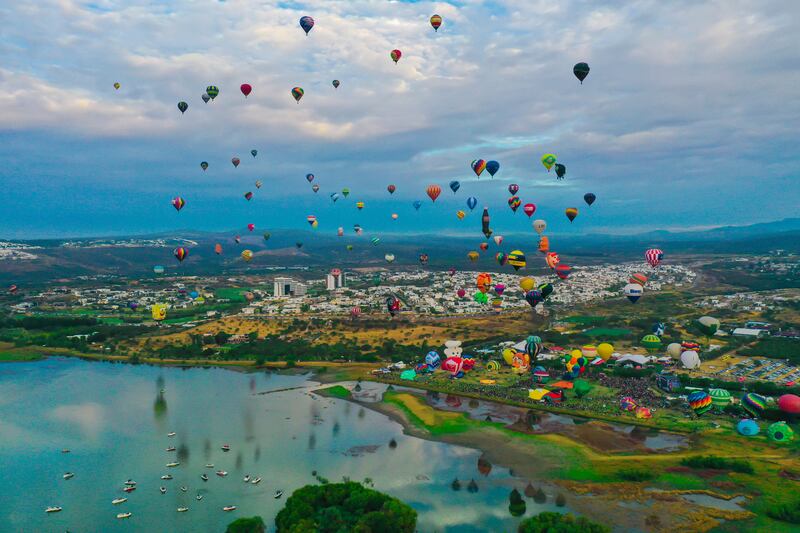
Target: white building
[288,287]
[334,282]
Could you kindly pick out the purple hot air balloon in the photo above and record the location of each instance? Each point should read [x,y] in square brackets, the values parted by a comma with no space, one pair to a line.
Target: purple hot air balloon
[513,188]
[306,23]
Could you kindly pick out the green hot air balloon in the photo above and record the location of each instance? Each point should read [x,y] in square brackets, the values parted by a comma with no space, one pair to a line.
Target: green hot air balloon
[720,398]
[212,91]
[581,70]
[651,343]
[267,235]
[346,192]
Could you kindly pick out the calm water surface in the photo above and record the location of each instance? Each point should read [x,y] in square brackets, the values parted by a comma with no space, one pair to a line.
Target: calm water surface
[115,422]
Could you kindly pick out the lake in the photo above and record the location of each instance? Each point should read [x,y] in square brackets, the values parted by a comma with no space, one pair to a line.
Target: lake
[114,419]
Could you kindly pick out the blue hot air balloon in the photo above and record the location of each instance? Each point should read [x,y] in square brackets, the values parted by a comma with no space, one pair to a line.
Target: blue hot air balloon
[472,202]
[306,23]
[417,204]
[492,167]
[454,186]
[334,196]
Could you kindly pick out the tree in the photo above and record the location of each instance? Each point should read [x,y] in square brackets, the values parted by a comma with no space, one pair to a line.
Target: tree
[516,505]
[560,523]
[345,506]
[254,524]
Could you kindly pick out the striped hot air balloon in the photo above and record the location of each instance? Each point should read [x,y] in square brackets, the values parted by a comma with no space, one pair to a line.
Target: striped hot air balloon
[699,401]
[478,166]
[178,203]
[753,403]
[436,22]
[297,94]
[653,256]
[571,213]
[720,398]
[180,253]
[212,91]
[638,278]
[433,192]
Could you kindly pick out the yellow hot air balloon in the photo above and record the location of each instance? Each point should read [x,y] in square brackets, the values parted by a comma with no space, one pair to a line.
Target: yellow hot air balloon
[247,255]
[473,255]
[315,224]
[548,160]
[360,205]
[604,350]
[159,312]
[527,284]
[508,356]
[576,353]
[116,85]
[460,214]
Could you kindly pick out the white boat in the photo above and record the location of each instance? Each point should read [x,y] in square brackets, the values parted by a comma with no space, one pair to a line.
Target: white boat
[129,489]
[204,477]
[171,448]
[53,510]
[171,434]
[184,489]
[256,481]
[247,478]
[124,515]
[166,476]
[65,450]
[278,494]
[182,509]
[119,501]
[209,465]
[172,465]
[130,483]
[163,490]
[199,497]
[222,473]
[227,508]
[226,447]
[68,475]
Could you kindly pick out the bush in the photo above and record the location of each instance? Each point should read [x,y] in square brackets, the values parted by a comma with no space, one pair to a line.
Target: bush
[561,500]
[344,507]
[560,523]
[635,475]
[254,524]
[787,512]
[718,463]
[516,504]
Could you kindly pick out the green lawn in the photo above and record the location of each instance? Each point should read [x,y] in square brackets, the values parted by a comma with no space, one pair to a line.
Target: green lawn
[7,357]
[607,332]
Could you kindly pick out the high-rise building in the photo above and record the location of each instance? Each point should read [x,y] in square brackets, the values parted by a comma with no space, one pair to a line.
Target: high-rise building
[334,280]
[288,287]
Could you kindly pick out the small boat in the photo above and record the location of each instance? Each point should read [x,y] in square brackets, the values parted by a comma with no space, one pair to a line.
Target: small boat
[227,508]
[68,475]
[171,434]
[53,510]
[124,515]
[278,494]
[129,489]
[130,483]
[226,447]
[247,478]
[256,481]
[166,476]
[171,448]
[182,509]
[184,489]
[199,497]
[204,477]
[209,465]
[118,501]
[163,490]
[222,473]
[65,450]
[173,464]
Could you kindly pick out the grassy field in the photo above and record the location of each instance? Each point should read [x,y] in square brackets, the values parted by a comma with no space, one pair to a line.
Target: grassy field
[9,357]
[607,332]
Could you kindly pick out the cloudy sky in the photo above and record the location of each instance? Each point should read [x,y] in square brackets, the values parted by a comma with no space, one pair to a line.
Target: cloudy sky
[689,117]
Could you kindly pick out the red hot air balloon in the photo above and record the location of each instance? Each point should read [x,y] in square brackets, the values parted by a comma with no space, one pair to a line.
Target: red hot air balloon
[434,191]
[246,89]
[218,248]
[484,246]
[529,209]
[396,55]
[562,270]
[513,189]
[235,162]
[391,189]
[355,311]
[654,256]
[251,227]
[461,293]
[789,403]
[248,196]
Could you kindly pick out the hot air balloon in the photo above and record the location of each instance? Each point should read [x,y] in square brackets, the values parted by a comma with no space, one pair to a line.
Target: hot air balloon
[747,427]
[483,281]
[534,297]
[690,359]
[720,398]
[544,244]
[238,239]
[180,253]
[395,55]
[638,278]
[315,188]
[158,269]
[571,213]
[359,205]
[780,432]
[516,259]
[309,177]
[389,258]
[178,203]
[484,246]
[454,186]
[246,89]
[789,403]
[203,165]
[355,311]
[708,324]
[499,289]
[473,256]
[651,342]
[498,240]
[561,171]
[391,189]
[605,351]
[392,304]
[158,312]
[183,106]
[254,152]
[116,85]
[306,23]
[472,202]
[699,401]
[340,232]
[311,219]
[546,289]
[345,192]
[529,209]
[492,167]
[436,21]
[212,91]
[433,192]
[394,216]
[205,98]
[247,255]
[460,214]
[298,244]
[357,229]
[461,293]
[581,70]
[562,270]
[417,204]
[248,196]
[548,160]
[485,223]
[423,259]
[375,241]
[513,189]
[267,235]
[258,184]
[589,198]
[627,404]
[753,403]
[501,258]
[336,84]
[674,350]
[527,284]
[218,248]
[552,259]
[539,226]
[653,256]
[133,305]
[514,202]
[478,166]
[633,291]
[297,93]
[251,226]
[235,162]
[334,196]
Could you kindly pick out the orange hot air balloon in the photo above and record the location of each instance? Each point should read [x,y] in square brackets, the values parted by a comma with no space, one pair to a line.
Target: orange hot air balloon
[434,191]
[571,213]
[483,281]
[552,259]
[544,244]
[218,248]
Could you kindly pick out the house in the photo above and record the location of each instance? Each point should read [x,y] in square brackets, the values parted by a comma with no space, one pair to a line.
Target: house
[748,332]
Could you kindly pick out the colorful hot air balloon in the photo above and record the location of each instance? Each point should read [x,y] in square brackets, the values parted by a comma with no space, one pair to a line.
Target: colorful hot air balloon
[436,22]
[158,269]
[581,70]
[433,192]
[589,198]
[395,216]
[534,297]
[529,209]
[246,89]
[297,93]
[396,55]
[780,432]
[552,259]
[248,196]
[789,403]
[204,165]
[498,240]
[720,398]
[513,189]
[548,160]
[483,281]
[454,186]
[562,270]
[699,401]
[180,253]
[212,91]
[417,204]
[651,342]
[492,167]
[336,84]
[235,162]
[391,189]
[561,171]
[539,225]
[359,205]
[423,259]
[178,203]
[472,202]
[501,258]
[238,239]
[247,255]
[478,166]
[516,259]
[306,23]
[514,202]
[183,106]
[258,184]
[334,196]
[633,291]
[460,214]
[527,284]
[653,256]
[218,248]
[309,177]
[392,304]
[571,213]
[638,278]
[315,188]
[311,219]
[345,192]
[461,293]
[753,403]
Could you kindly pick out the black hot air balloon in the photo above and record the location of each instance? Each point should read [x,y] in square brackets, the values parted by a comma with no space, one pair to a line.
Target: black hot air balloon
[589,198]
[581,70]
[561,171]
[485,223]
